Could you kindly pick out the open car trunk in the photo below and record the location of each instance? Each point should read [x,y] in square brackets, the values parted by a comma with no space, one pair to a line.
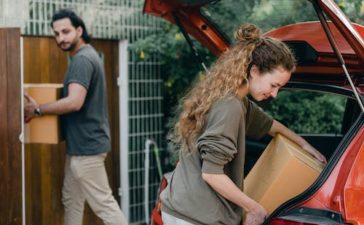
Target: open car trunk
[330,66]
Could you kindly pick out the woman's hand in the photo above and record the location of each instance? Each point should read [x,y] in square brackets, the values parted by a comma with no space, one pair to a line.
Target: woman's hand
[256,215]
[314,152]
[222,184]
[277,127]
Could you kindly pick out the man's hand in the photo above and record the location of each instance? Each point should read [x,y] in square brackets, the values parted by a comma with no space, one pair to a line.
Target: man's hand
[29,106]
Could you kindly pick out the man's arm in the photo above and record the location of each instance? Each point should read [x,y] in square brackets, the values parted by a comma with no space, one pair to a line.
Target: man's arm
[71,103]
[277,127]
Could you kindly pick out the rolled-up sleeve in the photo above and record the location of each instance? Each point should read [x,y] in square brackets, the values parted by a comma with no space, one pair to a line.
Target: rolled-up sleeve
[218,142]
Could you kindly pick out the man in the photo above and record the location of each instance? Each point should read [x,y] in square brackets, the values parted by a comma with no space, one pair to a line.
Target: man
[85,123]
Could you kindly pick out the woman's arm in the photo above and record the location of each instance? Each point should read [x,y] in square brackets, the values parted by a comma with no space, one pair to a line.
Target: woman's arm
[277,127]
[222,184]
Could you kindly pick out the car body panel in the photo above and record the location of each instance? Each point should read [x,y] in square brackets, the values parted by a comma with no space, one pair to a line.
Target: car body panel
[353,195]
[313,34]
[325,69]
[344,26]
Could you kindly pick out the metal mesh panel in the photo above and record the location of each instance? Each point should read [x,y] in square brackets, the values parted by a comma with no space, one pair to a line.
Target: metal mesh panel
[13,13]
[104,18]
[145,107]
[145,122]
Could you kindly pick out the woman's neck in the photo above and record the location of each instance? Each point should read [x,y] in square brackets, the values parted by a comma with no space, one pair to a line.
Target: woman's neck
[242,91]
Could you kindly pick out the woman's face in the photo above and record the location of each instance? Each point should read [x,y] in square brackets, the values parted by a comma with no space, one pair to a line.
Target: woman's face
[265,85]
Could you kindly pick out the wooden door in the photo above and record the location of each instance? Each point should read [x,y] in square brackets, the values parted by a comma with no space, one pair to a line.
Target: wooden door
[10,128]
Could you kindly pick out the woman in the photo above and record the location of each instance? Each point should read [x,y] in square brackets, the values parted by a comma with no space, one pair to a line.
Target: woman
[206,186]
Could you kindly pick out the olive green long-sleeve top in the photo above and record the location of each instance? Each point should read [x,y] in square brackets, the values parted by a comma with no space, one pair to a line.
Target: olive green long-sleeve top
[220,149]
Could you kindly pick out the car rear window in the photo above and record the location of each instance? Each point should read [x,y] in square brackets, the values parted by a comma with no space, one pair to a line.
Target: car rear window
[229,14]
[308,111]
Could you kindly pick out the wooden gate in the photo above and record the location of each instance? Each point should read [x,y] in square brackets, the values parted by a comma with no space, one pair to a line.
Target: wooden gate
[10,127]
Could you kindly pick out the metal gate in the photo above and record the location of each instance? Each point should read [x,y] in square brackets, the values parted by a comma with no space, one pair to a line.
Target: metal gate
[141,123]
[144,121]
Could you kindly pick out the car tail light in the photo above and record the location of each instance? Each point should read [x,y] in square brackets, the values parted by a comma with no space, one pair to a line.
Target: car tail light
[163,184]
[156,218]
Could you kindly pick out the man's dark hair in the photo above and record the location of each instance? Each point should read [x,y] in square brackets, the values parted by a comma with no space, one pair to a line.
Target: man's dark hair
[75,20]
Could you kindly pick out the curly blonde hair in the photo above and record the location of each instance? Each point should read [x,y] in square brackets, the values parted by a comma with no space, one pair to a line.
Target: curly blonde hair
[226,76]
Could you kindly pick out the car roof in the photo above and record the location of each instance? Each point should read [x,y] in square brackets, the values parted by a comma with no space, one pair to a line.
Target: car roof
[317,60]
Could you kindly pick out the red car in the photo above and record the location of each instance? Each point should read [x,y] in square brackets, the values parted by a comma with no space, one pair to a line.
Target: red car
[330,54]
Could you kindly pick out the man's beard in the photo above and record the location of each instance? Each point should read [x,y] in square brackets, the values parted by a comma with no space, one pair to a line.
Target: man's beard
[70,48]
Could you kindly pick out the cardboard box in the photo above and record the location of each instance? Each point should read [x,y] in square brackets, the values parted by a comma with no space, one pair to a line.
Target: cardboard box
[283,171]
[44,129]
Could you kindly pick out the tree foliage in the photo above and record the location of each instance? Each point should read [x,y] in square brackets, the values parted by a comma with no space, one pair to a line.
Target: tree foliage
[308,112]
[178,65]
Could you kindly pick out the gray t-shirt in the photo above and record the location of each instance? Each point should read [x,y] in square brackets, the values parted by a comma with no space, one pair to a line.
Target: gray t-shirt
[87,130]
[220,149]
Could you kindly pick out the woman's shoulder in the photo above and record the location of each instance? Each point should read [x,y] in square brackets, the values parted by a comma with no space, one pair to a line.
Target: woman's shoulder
[230,102]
